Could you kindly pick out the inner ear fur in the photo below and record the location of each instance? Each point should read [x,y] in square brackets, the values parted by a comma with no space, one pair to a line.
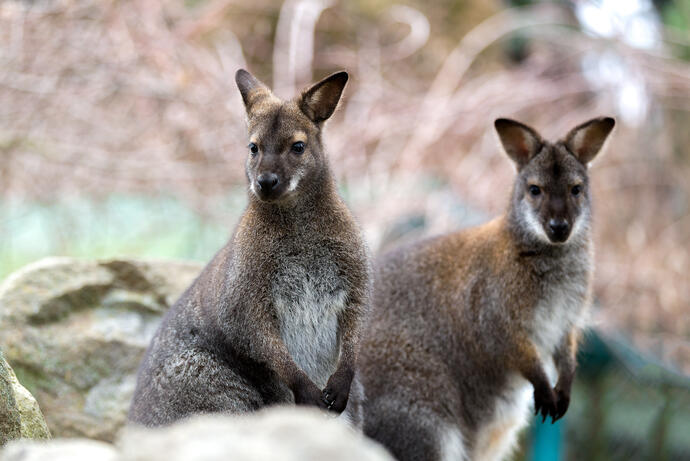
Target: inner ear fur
[519,141]
[586,140]
[250,88]
[319,101]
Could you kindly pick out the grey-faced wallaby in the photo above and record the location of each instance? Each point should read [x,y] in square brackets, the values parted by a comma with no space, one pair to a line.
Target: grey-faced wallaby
[468,328]
[275,316]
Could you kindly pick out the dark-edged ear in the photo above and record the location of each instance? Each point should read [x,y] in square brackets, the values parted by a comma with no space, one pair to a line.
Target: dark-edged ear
[519,141]
[587,139]
[320,100]
[250,88]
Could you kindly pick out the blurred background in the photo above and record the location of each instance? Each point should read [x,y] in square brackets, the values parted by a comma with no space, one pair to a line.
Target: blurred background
[122,134]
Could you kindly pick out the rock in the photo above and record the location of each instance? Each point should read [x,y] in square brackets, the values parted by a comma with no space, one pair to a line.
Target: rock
[20,415]
[59,450]
[10,419]
[284,433]
[75,331]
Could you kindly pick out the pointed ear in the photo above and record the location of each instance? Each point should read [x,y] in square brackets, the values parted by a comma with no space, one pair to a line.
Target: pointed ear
[319,101]
[586,140]
[519,141]
[250,88]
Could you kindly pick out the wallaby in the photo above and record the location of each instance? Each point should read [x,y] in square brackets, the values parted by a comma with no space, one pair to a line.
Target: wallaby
[465,326]
[275,316]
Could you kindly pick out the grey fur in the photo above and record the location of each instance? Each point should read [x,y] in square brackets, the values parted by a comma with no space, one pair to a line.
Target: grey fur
[275,316]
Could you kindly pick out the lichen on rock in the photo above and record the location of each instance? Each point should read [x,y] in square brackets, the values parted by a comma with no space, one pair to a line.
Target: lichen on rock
[20,416]
[75,332]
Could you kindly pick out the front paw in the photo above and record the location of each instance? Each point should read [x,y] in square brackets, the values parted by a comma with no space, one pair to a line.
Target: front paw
[545,402]
[337,391]
[562,403]
[307,393]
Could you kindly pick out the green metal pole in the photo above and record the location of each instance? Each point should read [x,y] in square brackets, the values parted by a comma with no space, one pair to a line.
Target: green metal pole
[547,443]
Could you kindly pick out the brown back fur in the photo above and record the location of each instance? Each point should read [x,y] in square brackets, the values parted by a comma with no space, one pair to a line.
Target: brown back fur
[464,325]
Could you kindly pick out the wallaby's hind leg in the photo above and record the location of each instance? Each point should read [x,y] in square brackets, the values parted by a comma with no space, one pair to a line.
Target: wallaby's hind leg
[188,382]
[497,438]
[500,440]
[413,434]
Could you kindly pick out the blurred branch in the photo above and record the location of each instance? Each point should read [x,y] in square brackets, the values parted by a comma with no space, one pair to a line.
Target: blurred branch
[435,103]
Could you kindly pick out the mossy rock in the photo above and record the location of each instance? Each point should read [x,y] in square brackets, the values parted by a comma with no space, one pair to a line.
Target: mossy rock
[20,416]
[75,332]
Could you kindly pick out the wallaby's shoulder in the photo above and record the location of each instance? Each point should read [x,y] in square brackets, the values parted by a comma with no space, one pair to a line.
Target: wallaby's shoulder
[452,253]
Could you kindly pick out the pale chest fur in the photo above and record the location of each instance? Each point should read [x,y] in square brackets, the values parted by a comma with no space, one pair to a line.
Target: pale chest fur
[561,308]
[308,296]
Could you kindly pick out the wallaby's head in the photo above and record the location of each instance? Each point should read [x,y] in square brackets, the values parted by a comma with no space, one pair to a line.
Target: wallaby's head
[285,153]
[551,199]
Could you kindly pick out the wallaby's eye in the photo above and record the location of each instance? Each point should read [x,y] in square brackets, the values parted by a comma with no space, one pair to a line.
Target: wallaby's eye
[534,190]
[253,148]
[298,147]
[576,190]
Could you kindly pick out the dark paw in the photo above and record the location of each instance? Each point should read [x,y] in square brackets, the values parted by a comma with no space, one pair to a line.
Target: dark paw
[562,403]
[337,392]
[545,402]
[306,393]
[334,400]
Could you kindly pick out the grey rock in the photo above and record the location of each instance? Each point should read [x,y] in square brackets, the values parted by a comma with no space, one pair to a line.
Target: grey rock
[59,450]
[284,433]
[20,416]
[278,433]
[75,331]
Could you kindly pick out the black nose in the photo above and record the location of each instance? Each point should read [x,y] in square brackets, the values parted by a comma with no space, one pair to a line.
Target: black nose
[267,181]
[559,227]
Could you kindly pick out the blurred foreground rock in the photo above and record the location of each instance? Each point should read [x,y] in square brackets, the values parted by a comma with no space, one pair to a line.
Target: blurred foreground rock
[286,434]
[19,412]
[75,331]
[59,450]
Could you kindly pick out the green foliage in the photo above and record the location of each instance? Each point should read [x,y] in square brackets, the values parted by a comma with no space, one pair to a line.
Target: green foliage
[676,15]
[119,226]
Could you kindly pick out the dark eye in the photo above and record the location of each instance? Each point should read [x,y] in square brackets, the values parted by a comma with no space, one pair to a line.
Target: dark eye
[534,190]
[576,190]
[298,147]
[253,148]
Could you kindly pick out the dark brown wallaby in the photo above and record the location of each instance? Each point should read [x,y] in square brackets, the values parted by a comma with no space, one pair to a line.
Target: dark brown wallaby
[275,316]
[467,329]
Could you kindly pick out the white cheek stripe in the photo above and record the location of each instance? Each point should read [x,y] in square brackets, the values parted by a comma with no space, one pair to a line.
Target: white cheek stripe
[294,182]
[533,223]
[579,225]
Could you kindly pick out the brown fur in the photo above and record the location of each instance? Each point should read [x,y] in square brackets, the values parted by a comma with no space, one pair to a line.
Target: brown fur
[462,323]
